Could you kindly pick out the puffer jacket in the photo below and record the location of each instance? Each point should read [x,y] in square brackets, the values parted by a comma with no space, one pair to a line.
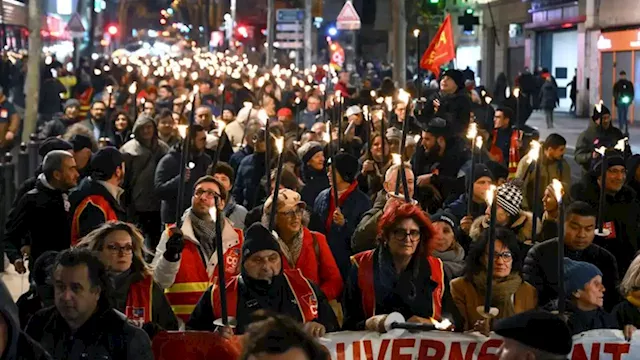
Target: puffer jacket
[140,163]
[522,228]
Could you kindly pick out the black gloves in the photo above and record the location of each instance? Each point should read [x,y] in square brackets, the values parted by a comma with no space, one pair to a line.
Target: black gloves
[175,244]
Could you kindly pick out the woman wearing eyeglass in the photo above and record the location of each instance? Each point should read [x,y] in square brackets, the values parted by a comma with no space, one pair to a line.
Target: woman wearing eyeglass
[510,293]
[136,294]
[399,275]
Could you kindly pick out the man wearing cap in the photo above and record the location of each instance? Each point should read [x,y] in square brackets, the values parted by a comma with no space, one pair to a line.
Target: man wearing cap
[97,198]
[541,266]
[482,180]
[585,297]
[621,209]
[59,124]
[338,222]
[364,237]
[186,260]
[436,164]
[263,284]
[451,103]
[313,172]
[301,248]
[534,335]
[600,132]
[291,129]
[47,205]
[355,121]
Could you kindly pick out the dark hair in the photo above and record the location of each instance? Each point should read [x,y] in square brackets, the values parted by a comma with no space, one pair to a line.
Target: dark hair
[581,208]
[623,72]
[222,168]
[43,267]
[115,115]
[194,129]
[475,258]
[506,111]
[164,113]
[97,271]
[98,102]
[554,141]
[211,179]
[276,334]
[168,88]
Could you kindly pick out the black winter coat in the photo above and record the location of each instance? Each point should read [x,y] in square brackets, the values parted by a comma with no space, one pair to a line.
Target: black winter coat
[314,182]
[167,180]
[590,139]
[622,211]
[454,108]
[246,189]
[45,207]
[256,295]
[106,335]
[581,321]
[541,270]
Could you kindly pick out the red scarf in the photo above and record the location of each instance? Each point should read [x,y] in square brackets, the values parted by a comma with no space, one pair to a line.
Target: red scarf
[341,200]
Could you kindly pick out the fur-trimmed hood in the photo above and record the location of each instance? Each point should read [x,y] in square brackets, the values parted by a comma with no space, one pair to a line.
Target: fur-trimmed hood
[522,227]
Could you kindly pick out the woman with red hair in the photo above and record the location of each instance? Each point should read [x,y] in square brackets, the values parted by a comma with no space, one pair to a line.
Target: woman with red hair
[399,275]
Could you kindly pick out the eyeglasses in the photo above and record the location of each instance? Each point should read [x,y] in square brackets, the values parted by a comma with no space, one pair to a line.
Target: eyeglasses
[291,214]
[210,194]
[115,249]
[506,256]
[401,234]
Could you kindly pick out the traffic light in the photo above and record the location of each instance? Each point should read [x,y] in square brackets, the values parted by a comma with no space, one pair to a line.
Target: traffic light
[112,30]
[432,7]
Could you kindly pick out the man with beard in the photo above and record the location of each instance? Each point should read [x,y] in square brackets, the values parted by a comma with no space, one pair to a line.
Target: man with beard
[47,204]
[600,132]
[263,285]
[621,209]
[97,124]
[436,164]
[141,156]
[451,103]
[97,199]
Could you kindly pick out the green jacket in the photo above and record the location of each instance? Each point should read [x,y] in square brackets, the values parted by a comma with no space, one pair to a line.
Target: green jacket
[549,170]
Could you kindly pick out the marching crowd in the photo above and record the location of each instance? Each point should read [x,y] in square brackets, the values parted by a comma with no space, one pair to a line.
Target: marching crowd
[333,206]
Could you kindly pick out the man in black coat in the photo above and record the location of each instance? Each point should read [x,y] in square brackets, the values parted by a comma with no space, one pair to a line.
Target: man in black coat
[83,324]
[436,164]
[167,174]
[540,266]
[264,285]
[600,132]
[47,206]
[621,213]
[452,102]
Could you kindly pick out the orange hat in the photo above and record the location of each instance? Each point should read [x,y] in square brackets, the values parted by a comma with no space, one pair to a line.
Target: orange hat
[284,112]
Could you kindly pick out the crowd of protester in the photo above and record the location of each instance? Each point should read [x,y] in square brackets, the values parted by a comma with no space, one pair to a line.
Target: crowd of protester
[118,227]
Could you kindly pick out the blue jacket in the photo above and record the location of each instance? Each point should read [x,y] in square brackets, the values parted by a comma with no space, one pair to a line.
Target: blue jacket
[250,172]
[238,156]
[458,207]
[339,237]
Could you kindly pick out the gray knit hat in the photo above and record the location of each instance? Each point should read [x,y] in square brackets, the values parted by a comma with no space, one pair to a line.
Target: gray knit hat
[510,198]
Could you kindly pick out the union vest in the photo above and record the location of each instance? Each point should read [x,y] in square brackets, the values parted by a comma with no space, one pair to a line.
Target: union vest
[139,301]
[300,287]
[364,262]
[95,200]
[85,103]
[232,260]
[191,281]
[514,151]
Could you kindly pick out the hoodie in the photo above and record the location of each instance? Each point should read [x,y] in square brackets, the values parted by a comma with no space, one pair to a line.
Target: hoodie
[19,344]
[140,163]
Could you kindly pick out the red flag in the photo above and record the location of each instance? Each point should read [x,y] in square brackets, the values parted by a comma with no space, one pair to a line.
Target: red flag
[441,50]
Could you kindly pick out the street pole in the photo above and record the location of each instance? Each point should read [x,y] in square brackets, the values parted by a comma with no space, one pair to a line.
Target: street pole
[92,27]
[271,31]
[4,25]
[416,34]
[206,22]
[232,38]
[308,44]
[400,45]
[33,69]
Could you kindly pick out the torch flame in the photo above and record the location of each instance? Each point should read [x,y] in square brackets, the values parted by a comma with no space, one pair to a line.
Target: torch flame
[491,194]
[247,104]
[191,165]
[379,100]
[417,138]
[280,144]
[262,116]
[297,101]
[326,137]
[323,88]
[472,132]
[221,126]
[133,87]
[557,189]
[601,150]
[397,159]
[479,141]
[389,101]
[534,151]
[599,106]
[110,89]
[213,212]
[516,92]
[373,93]
[621,144]
[488,100]
[404,96]
[182,130]
[441,325]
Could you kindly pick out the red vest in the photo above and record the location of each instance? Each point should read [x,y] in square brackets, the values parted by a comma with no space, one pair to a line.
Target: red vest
[85,102]
[98,201]
[191,281]
[232,260]
[139,303]
[364,262]
[514,151]
[302,291]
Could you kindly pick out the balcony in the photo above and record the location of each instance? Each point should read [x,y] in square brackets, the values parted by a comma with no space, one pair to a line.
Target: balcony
[540,5]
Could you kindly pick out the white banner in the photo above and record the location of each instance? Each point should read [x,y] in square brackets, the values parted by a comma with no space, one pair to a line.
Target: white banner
[436,345]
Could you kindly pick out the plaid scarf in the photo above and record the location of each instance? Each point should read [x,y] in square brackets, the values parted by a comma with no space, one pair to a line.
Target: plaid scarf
[292,252]
[205,232]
